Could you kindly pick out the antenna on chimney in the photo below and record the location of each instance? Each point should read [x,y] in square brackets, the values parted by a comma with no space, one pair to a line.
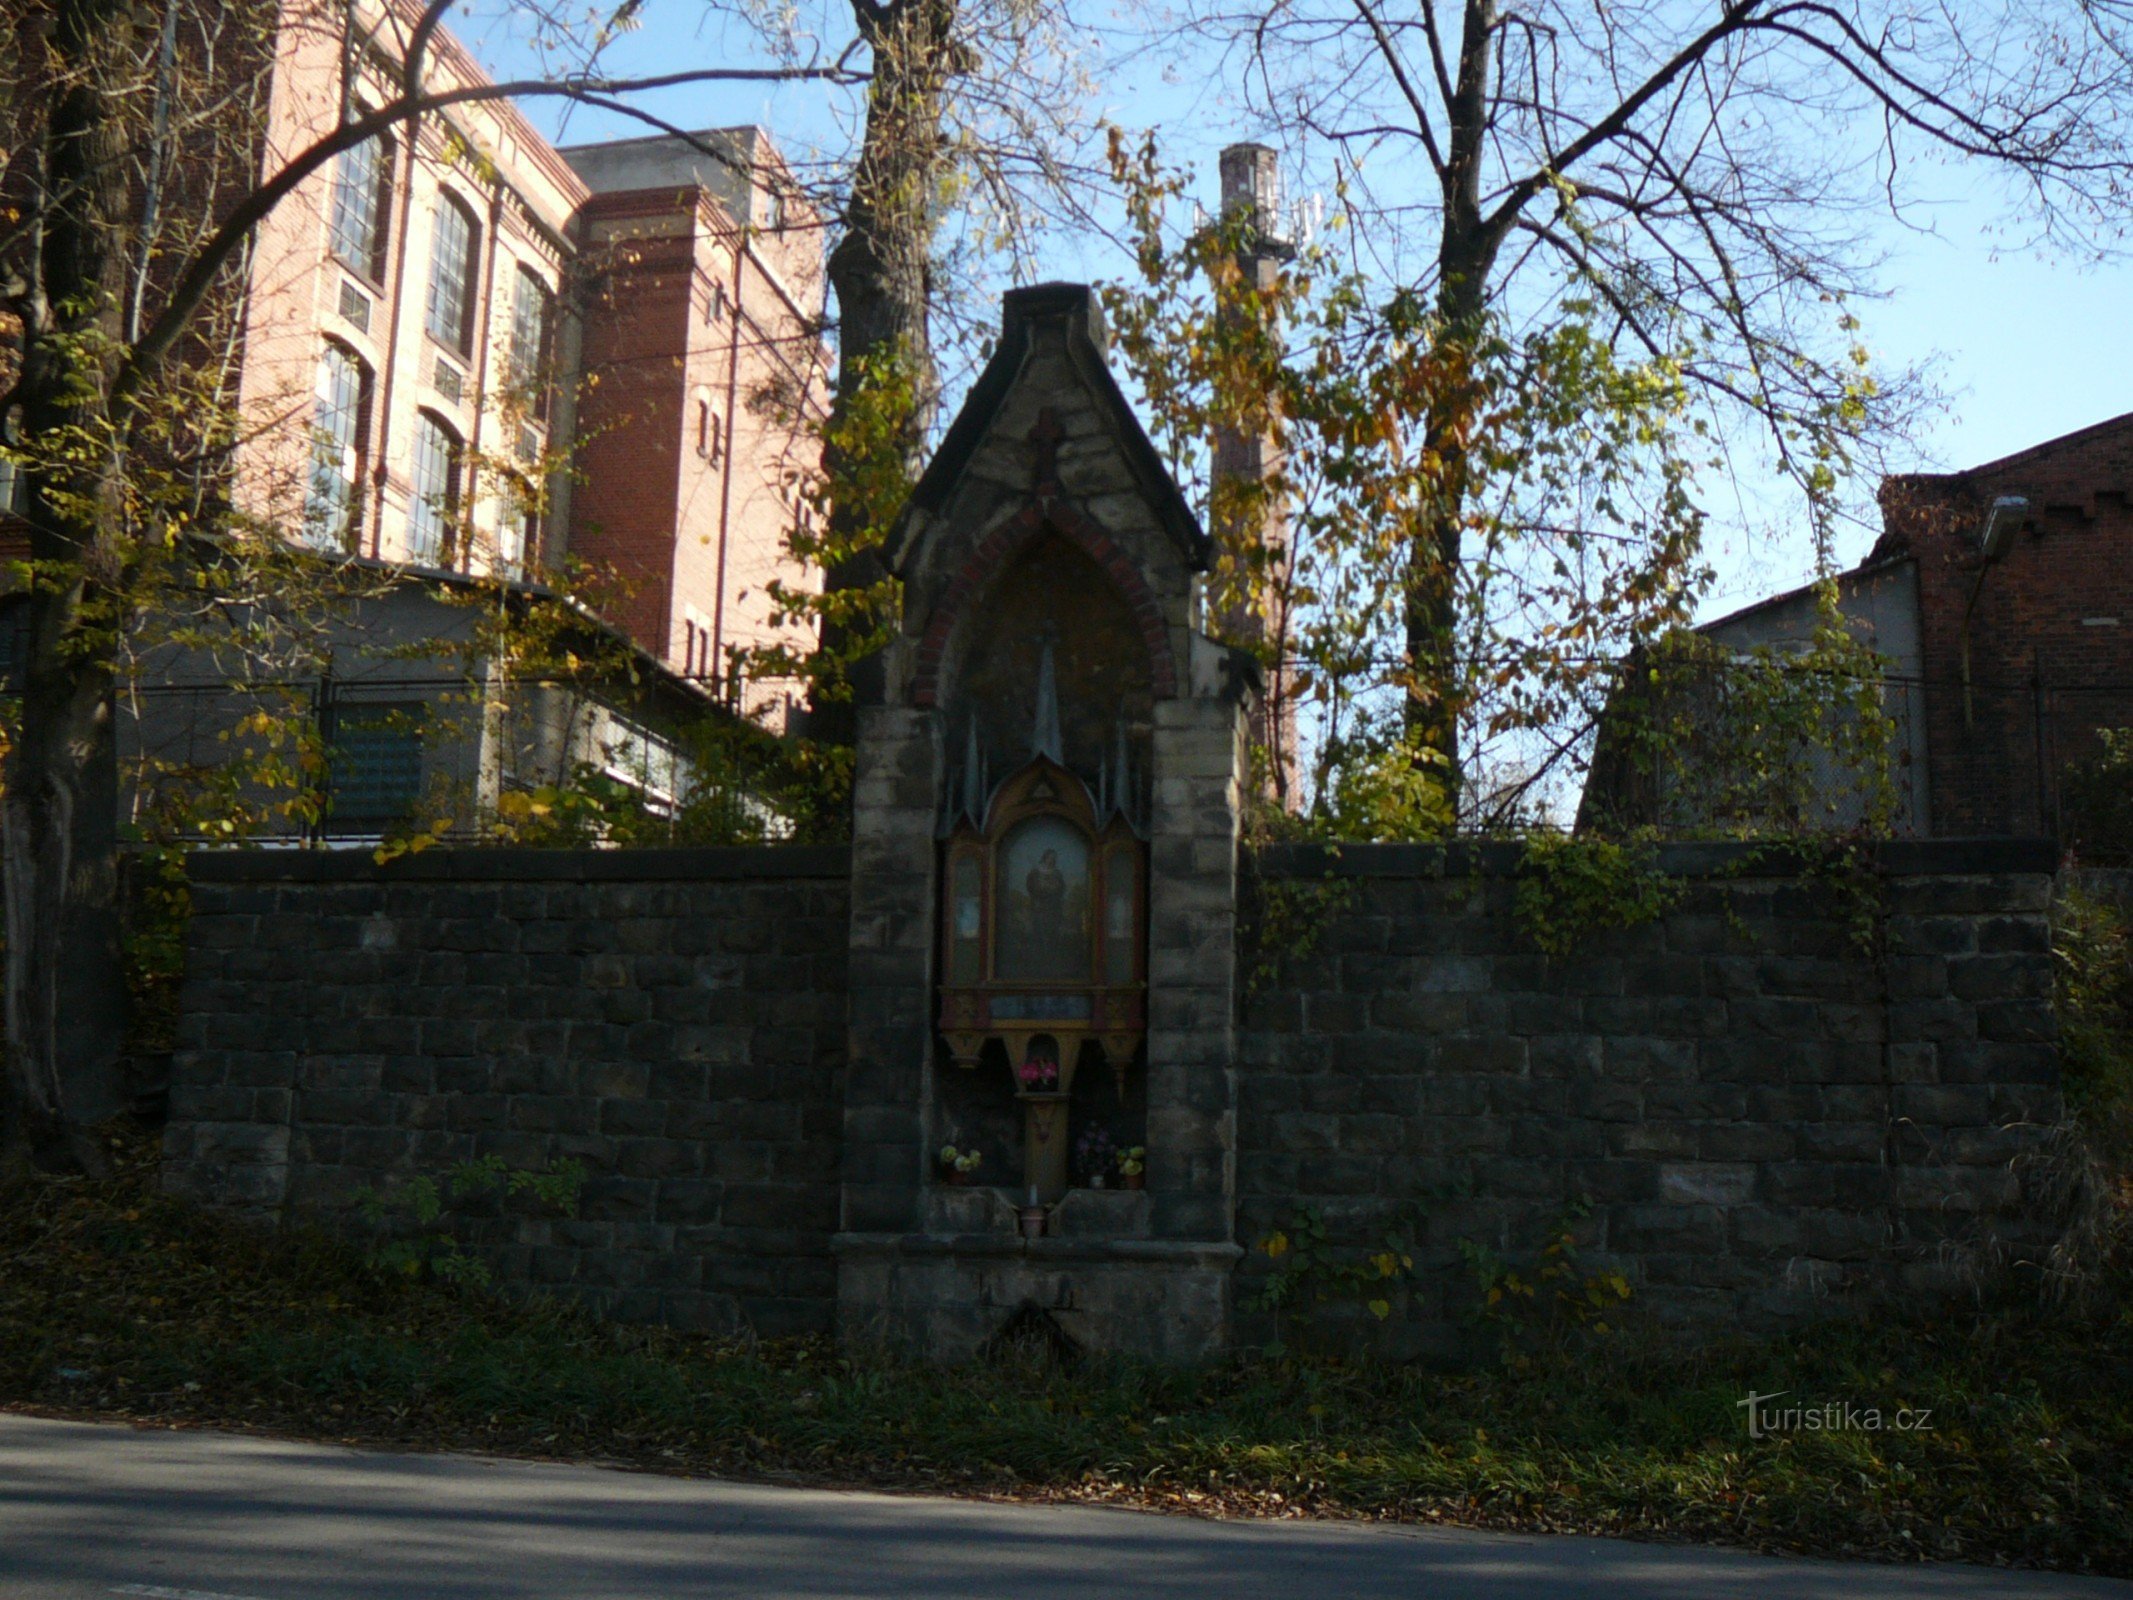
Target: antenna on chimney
[1305,218]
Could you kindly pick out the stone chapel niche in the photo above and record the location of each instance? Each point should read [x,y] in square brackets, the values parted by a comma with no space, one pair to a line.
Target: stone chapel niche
[1044,878]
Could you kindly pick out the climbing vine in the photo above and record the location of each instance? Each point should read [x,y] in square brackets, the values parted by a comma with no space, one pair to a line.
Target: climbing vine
[1306,1269]
[1571,888]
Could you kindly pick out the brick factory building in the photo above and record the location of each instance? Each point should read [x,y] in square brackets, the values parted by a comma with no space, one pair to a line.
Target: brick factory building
[2023,570]
[452,312]
[463,354]
[2000,599]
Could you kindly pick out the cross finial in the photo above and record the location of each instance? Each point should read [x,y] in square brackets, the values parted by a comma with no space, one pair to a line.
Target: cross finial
[1046,436]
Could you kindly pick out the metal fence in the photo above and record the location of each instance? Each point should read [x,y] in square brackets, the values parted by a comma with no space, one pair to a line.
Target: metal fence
[1966,759]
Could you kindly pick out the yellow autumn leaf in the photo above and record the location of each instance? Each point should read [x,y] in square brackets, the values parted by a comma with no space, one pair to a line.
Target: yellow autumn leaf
[1381,1309]
[1277,1244]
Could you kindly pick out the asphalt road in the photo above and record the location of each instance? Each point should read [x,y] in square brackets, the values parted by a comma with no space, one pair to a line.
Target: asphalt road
[92,1510]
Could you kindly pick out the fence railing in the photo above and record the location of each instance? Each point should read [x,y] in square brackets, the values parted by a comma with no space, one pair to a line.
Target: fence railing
[1988,757]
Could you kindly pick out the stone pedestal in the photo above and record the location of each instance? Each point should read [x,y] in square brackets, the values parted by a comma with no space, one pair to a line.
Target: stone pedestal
[949,1295]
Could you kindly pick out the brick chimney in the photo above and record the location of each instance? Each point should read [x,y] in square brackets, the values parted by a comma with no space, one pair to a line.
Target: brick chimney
[1251,188]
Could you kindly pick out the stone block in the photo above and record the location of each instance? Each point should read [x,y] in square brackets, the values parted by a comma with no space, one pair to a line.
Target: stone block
[1447,974]
[1540,1141]
[1859,1102]
[1838,1141]
[1672,1228]
[2017,1021]
[1747,1141]
[617,1118]
[1588,975]
[1960,894]
[1706,1183]
[1775,1017]
[1917,977]
[2030,935]
[1609,1181]
[239,1144]
[1934,1020]
[1367,1134]
[1523,1013]
[1330,1013]
[2000,977]
[1932,935]
[1570,1055]
[1528,1099]
[1797,1183]
[2034,1103]
[1650,1060]
[1699,1101]
[1607,1101]
[1454,1095]
[658,1158]
[1328,1091]
[1414,1012]
[1990,1146]
[1662,976]
[1951,1105]
[1494,1055]
[1984,1061]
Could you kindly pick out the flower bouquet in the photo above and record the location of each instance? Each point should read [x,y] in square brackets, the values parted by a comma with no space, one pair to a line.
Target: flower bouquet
[1038,1075]
[1093,1154]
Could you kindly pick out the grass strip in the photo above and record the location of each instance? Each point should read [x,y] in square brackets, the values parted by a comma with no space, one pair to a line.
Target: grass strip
[116,1302]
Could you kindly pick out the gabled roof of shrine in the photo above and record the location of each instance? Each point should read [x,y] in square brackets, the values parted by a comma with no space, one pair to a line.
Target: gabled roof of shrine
[1074,305]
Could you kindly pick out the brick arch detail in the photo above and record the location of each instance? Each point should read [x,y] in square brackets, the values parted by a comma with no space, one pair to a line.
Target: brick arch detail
[993,554]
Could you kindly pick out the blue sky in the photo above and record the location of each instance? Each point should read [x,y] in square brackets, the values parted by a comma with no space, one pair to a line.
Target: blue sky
[2024,346]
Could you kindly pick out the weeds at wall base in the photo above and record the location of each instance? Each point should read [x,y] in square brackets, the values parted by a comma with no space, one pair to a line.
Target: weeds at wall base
[2085,1174]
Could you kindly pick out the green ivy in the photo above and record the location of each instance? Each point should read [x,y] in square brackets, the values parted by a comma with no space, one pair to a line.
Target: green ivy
[2096,808]
[1547,1297]
[2092,957]
[1308,1269]
[1574,887]
[415,1217]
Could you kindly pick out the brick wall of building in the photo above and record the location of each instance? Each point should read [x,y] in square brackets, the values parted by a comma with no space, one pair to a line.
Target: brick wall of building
[483,156]
[638,276]
[674,1020]
[2049,629]
[668,287]
[1756,1117]
[704,365]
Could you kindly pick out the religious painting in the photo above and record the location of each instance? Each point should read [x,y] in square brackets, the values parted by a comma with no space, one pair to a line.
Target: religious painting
[1042,894]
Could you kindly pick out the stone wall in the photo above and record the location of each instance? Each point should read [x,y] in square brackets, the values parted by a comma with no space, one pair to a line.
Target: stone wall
[1763,1116]
[674,1020]
[1759,1116]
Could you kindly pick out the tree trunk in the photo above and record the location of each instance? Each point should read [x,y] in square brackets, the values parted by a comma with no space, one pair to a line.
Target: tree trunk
[65,978]
[1435,699]
[881,272]
[1466,254]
